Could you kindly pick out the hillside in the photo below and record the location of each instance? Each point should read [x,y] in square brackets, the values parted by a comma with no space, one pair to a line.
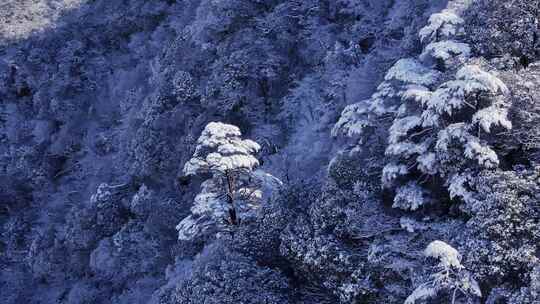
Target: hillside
[268,151]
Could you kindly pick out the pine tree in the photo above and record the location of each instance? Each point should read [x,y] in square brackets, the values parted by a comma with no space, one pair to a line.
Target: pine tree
[437,111]
[234,189]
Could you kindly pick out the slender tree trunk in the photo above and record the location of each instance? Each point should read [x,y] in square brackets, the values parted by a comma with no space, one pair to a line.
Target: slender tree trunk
[233,219]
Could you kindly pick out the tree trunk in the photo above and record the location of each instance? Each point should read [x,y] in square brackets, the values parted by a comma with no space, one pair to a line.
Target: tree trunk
[233,218]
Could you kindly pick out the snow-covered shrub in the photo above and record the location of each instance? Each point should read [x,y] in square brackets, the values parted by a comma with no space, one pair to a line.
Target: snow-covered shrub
[359,118]
[184,86]
[345,170]
[46,258]
[129,253]
[445,53]
[514,24]
[220,275]
[118,91]
[522,143]
[141,204]
[261,239]
[503,233]
[102,216]
[411,197]
[328,247]
[321,259]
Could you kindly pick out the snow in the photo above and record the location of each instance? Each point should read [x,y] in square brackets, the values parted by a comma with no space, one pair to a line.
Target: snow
[411,225]
[208,206]
[402,126]
[474,78]
[215,131]
[427,163]
[252,196]
[457,187]
[441,26]
[411,71]
[473,149]
[145,76]
[220,149]
[21,19]
[431,118]
[208,201]
[406,149]
[446,99]
[238,147]
[453,131]
[221,152]
[446,254]
[420,94]
[449,275]
[392,171]
[445,50]
[492,116]
[267,183]
[485,156]
[194,165]
[190,227]
[352,121]
[222,164]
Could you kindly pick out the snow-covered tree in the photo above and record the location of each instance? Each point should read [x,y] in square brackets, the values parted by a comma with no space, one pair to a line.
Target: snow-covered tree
[448,275]
[441,132]
[437,111]
[235,188]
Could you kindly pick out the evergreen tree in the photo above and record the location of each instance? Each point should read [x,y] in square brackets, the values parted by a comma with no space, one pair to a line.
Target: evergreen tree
[234,189]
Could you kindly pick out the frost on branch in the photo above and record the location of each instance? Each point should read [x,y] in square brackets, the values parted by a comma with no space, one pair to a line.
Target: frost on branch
[234,190]
[393,171]
[449,277]
[459,187]
[492,116]
[456,94]
[475,79]
[473,149]
[401,127]
[411,71]
[353,121]
[411,197]
[444,51]
[443,25]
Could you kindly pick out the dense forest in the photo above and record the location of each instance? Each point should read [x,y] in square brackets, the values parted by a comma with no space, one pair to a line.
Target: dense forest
[269,151]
